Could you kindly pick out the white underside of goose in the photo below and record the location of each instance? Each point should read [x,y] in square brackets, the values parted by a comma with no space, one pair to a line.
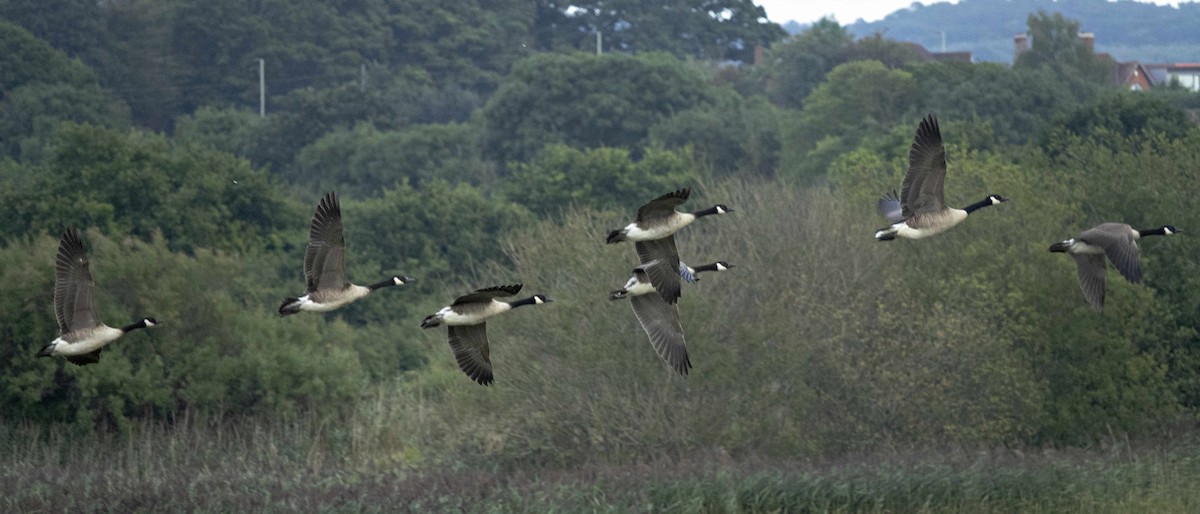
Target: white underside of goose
[94,340]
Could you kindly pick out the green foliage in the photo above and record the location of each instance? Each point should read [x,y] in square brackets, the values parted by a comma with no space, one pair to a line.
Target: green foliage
[1057,47]
[365,160]
[140,184]
[211,353]
[711,30]
[436,233]
[859,99]
[26,59]
[1117,116]
[29,113]
[1018,103]
[587,101]
[561,177]
[235,131]
[798,64]
[733,135]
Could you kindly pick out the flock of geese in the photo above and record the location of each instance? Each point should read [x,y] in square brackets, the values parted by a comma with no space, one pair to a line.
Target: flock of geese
[919,211]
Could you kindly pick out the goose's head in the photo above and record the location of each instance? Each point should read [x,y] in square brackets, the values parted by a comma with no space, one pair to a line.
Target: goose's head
[401,280]
[996,199]
[149,322]
[721,208]
[539,299]
[1169,230]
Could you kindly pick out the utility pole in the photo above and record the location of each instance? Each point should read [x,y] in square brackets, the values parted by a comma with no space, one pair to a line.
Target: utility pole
[599,49]
[262,88]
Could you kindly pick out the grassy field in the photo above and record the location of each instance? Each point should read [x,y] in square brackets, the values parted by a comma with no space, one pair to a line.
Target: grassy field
[302,467]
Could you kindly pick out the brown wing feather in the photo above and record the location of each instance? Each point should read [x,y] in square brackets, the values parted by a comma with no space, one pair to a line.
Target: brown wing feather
[1091,268]
[664,205]
[660,258]
[923,183]
[487,294]
[324,260]
[74,302]
[661,323]
[1119,245]
[470,346]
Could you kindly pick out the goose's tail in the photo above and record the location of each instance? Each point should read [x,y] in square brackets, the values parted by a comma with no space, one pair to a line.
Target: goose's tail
[289,306]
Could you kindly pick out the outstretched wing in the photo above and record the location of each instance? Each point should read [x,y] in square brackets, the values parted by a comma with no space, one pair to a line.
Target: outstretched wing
[470,346]
[85,359]
[663,206]
[1119,245]
[661,323]
[660,258]
[889,207]
[487,294]
[1091,268]
[325,258]
[922,190]
[74,303]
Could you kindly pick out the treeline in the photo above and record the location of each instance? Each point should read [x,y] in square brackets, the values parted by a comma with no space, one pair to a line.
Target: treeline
[468,161]
[1128,30]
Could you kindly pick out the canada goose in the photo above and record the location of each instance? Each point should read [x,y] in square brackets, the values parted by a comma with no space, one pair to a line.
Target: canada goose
[688,273]
[1116,240]
[81,335]
[325,265]
[465,322]
[653,237]
[921,210]
[658,318]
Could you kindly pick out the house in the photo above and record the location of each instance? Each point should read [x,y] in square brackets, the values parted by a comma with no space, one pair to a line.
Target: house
[1134,75]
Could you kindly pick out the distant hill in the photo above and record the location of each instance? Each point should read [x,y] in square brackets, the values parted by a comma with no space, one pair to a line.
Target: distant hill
[1125,29]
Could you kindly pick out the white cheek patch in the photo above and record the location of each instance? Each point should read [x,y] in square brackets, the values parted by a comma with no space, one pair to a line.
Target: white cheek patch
[721,267]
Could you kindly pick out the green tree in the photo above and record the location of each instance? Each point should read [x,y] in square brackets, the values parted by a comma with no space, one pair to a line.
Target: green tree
[710,29]
[796,66]
[141,184]
[587,101]
[859,99]
[213,352]
[365,160]
[732,135]
[1057,47]
[560,177]
[26,59]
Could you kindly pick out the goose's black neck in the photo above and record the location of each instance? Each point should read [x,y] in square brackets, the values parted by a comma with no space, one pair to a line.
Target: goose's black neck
[1160,231]
[712,266]
[986,202]
[527,301]
[134,326]
[707,212]
[391,282]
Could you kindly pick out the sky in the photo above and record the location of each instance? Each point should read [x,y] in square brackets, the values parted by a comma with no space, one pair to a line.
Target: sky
[847,11]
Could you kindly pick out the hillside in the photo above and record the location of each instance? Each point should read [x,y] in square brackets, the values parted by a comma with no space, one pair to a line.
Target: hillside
[1125,29]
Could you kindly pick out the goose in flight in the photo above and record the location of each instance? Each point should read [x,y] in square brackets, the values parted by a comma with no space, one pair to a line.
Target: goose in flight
[81,335]
[653,234]
[465,321]
[920,210]
[325,265]
[1118,242]
[658,318]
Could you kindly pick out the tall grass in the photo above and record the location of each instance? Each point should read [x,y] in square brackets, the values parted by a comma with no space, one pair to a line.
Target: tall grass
[308,465]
